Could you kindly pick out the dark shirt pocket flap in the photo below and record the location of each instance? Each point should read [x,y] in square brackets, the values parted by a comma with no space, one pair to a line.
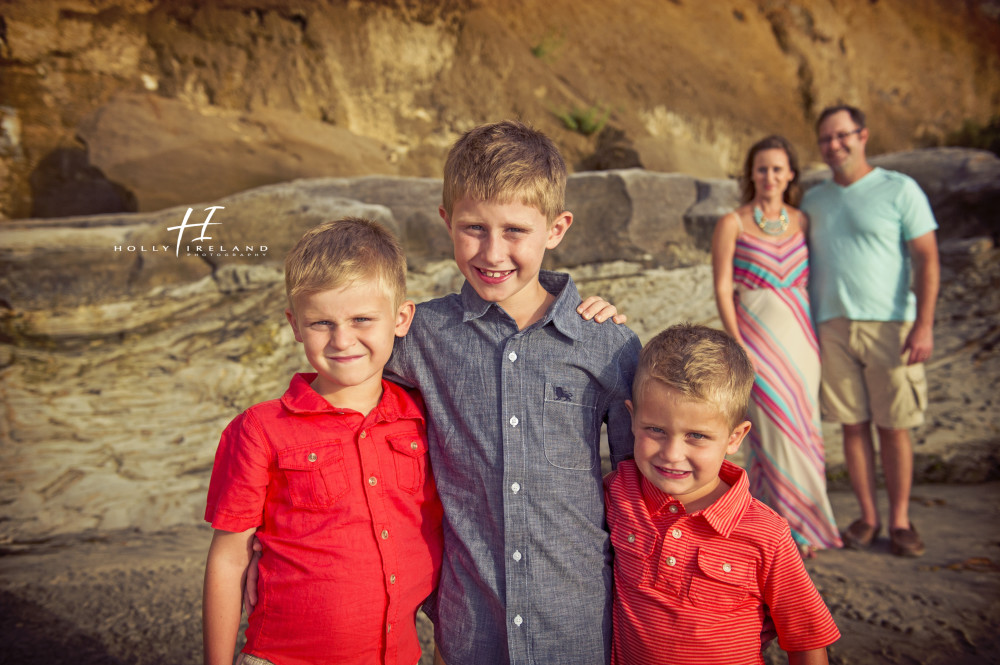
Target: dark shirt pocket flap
[412,445]
[633,542]
[309,456]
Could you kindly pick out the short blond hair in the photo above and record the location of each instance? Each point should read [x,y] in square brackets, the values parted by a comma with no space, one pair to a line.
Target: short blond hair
[336,253]
[701,363]
[506,162]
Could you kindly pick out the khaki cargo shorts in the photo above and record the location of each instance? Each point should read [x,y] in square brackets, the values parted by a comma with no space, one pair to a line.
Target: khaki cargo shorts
[865,376]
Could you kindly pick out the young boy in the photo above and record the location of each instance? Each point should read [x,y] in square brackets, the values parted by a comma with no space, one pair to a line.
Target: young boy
[699,563]
[333,478]
[517,386]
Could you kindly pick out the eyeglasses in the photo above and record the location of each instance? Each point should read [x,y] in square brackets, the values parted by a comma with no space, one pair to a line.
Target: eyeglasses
[839,136]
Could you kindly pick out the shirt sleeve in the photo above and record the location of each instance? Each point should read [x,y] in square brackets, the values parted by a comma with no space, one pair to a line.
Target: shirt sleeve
[800,616]
[619,421]
[914,210]
[238,487]
[399,369]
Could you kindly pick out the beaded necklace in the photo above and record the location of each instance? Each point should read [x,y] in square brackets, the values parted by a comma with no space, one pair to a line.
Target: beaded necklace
[772,227]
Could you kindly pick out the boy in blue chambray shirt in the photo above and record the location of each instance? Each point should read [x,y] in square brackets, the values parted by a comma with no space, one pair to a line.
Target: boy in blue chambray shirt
[517,386]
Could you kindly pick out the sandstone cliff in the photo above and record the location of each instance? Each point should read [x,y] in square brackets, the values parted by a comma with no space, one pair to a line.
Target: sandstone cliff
[120,105]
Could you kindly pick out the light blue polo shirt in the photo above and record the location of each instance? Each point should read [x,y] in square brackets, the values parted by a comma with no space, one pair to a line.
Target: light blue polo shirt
[858,255]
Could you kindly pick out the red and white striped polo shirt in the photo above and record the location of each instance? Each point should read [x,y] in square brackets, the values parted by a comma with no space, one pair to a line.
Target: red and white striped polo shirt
[694,588]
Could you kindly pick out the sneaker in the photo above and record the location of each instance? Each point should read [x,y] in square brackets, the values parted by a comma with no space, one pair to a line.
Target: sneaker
[859,535]
[906,542]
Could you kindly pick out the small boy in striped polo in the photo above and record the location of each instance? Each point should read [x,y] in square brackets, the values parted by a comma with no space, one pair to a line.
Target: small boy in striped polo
[700,565]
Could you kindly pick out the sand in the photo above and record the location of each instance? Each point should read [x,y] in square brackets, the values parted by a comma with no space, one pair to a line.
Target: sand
[130,597]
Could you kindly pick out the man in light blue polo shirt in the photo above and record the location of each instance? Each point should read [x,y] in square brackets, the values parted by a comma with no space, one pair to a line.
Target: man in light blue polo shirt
[873,284]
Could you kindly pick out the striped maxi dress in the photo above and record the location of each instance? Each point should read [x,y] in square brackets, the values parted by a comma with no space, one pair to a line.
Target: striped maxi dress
[786,462]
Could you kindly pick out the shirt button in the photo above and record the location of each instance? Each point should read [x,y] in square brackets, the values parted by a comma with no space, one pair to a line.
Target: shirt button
[671,561]
[673,508]
[312,457]
[372,481]
[631,538]
[363,434]
[516,555]
[727,568]
[414,445]
[385,534]
[392,579]
[514,421]
[515,488]
[518,620]
[676,533]
[512,356]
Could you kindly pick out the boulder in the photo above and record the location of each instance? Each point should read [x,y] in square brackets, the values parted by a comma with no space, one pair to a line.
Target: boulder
[125,350]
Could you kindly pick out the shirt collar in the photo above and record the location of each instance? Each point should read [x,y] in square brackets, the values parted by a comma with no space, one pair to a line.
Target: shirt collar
[396,403]
[724,514]
[562,314]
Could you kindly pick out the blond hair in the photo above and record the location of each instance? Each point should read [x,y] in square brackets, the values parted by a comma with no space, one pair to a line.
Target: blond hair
[506,162]
[335,253]
[701,363]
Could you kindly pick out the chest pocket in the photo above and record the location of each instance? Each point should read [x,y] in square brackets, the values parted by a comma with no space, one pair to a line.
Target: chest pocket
[722,581]
[409,453]
[569,422]
[315,472]
[633,549]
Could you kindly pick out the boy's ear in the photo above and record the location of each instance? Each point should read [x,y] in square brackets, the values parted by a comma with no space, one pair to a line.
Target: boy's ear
[404,317]
[290,315]
[631,409]
[444,216]
[558,229]
[736,438]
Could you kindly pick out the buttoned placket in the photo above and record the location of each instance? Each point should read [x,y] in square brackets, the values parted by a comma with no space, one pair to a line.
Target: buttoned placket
[368,444]
[515,523]
[674,548]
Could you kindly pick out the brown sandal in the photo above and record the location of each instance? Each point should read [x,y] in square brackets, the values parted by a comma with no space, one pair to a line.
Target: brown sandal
[906,542]
[860,535]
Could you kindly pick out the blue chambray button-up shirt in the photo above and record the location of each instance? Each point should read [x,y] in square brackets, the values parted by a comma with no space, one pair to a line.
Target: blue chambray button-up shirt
[514,429]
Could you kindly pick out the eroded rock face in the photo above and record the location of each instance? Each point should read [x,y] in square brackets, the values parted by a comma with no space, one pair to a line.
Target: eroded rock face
[122,357]
[144,105]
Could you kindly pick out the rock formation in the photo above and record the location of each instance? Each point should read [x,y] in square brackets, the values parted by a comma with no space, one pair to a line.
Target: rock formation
[125,349]
[120,105]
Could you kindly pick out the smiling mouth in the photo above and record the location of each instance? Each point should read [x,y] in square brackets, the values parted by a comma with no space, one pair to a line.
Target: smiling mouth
[494,274]
[672,473]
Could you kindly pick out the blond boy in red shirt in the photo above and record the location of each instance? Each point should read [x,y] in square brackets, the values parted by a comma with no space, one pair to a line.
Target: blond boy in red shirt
[699,563]
[333,478]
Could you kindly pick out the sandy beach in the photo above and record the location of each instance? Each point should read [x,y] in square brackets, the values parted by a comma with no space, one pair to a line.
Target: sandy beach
[129,597]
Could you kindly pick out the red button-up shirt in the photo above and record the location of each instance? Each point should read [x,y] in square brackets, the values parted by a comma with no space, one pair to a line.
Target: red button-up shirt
[693,588]
[350,524]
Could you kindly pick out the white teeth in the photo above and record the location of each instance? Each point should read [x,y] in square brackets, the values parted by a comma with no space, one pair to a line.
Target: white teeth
[494,275]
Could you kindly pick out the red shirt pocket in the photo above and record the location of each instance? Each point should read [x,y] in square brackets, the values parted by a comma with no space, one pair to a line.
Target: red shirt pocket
[315,473]
[722,580]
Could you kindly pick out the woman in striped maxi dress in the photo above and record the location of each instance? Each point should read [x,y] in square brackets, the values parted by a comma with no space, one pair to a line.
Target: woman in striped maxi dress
[761,267]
